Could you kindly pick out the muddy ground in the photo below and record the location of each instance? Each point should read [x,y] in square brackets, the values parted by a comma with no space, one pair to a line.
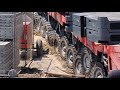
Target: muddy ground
[50,62]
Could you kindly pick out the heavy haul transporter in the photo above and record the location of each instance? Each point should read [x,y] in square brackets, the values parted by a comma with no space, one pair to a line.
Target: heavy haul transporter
[88,41]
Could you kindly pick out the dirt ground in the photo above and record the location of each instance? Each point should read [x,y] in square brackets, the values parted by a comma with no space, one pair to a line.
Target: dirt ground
[49,65]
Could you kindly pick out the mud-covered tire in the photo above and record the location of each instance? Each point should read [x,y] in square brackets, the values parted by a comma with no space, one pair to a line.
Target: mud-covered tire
[62,46]
[77,66]
[50,39]
[39,48]
[56,41]
[48,28]
[40,23]
[71,54]
[86,60]
[97,71]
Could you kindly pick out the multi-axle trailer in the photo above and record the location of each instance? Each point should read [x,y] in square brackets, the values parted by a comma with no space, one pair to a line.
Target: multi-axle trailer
[89,42]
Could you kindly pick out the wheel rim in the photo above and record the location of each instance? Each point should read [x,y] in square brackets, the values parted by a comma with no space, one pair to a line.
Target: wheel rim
[70,57]
[45,32]
[37,28]
[99,74]
[41,25]
[63,49]
[56,45]
[46,36]
[42,30]
[78,67]
[86,62]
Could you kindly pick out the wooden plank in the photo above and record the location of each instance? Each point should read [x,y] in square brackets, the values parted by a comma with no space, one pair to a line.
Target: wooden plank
[64,76]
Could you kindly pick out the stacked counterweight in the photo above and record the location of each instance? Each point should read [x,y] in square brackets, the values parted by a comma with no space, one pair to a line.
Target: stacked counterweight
[100,27]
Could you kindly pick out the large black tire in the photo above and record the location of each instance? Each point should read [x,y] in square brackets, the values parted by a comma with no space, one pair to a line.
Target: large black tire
[77,66]
[56,39]
[71,54]
[62,47]
[97,71]
[39,48]
[86,60]
[50,39]
[48,28]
